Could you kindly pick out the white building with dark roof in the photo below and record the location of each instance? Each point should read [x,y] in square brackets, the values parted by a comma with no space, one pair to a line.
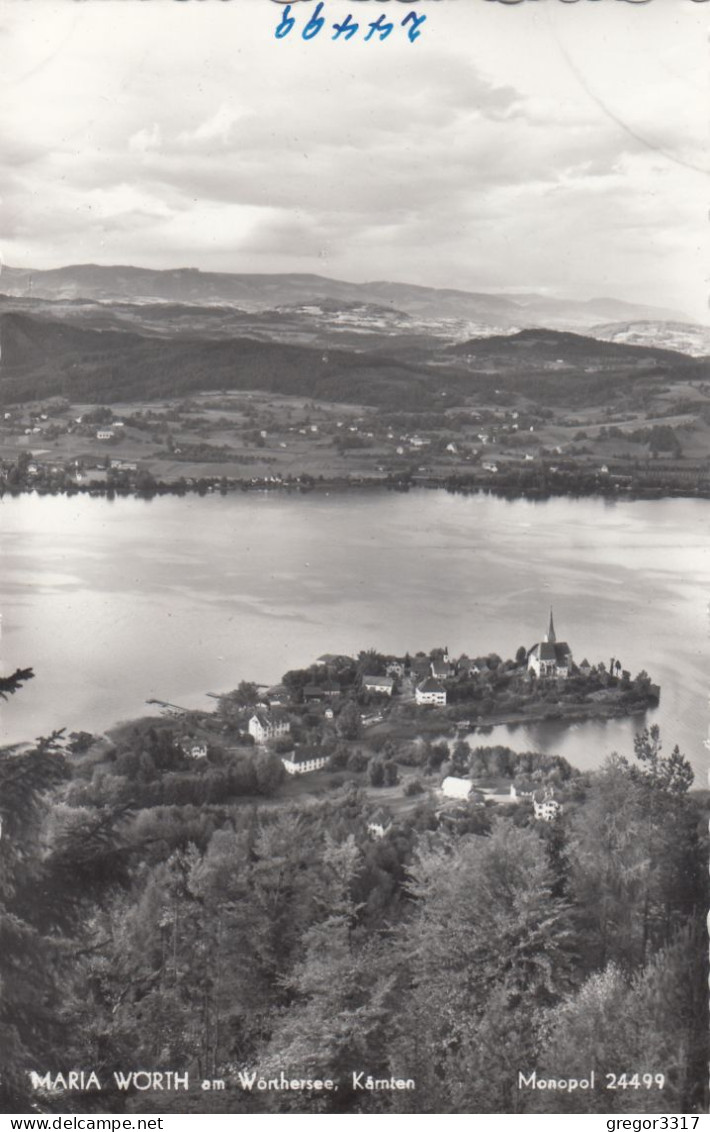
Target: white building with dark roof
[442,669]
[303,761]
[545,806]
[430,691]
[550,658]
[265,725]
[379,823]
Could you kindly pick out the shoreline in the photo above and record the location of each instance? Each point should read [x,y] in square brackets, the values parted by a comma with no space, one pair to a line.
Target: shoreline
[575,713]
[306,485]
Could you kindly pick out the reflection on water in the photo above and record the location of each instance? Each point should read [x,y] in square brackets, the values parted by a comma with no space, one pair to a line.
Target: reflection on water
[585,745]
[117,602]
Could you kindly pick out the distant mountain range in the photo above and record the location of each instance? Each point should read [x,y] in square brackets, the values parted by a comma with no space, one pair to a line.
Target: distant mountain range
[254,293]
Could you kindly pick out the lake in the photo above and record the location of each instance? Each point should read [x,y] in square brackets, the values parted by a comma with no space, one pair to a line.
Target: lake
[116,602]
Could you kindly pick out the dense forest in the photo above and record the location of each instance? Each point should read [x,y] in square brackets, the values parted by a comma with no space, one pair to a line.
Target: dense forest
[239,935]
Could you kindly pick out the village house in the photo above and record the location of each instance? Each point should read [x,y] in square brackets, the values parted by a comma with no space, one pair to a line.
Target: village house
[545,807]
[265,725]
[420,666]
[381,685]
[104,434]
[277,694]
[303,761]
[430,691]
[194,748]
[442,669]
[379,823]
[550,658]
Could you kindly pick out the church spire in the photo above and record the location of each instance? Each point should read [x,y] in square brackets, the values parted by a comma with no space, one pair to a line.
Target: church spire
[551,638]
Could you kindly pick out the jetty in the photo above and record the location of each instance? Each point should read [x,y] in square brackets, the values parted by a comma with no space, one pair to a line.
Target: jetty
[168,708]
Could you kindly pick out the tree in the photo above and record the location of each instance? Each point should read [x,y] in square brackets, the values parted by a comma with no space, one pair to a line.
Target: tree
[342,994]
[460,757]
[654,1018]
[673,774]
[232,705]
[247,694]
[357,761]
[11,684]
[31,910]
[349,723]
[370,662]
[270,773]
[633,864]
[377,772]
[391,773]
[80,741]
[489,943]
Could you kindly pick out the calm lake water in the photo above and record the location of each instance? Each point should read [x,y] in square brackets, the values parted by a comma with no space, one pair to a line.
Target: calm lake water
[116,602]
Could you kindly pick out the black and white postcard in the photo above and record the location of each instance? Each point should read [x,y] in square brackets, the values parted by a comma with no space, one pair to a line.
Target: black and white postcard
[354,557]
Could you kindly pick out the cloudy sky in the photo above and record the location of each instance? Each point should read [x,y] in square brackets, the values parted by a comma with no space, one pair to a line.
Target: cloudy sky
[548,146]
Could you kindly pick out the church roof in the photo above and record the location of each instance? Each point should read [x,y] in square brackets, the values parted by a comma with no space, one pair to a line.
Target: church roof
[551,630]
[546,650]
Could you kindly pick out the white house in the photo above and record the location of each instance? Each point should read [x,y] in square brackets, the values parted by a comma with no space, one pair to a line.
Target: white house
[379,823]
[382,685]
[442,669]
[104,434]
[265,725]
[546,808]
[550,657]
[430,691]
[197,750]
[301,762]
[453,787]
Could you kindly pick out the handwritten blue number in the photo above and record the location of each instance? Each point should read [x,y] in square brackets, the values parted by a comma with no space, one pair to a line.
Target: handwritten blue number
[287,22]
[347,28]
[315,23]
[381,26]
[417,21]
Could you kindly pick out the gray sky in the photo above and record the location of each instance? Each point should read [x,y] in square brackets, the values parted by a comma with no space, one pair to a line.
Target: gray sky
[540,146]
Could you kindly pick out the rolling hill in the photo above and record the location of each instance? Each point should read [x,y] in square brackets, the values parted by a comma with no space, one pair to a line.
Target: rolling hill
[43,357]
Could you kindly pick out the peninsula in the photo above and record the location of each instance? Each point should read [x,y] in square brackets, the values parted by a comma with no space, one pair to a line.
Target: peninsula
[398,727]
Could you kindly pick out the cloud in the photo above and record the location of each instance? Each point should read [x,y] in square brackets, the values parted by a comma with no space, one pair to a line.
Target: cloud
[216,128]
[496,152]
[145,139]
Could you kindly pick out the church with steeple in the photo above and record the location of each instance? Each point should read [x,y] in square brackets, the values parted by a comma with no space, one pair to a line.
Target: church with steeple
[550,658]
